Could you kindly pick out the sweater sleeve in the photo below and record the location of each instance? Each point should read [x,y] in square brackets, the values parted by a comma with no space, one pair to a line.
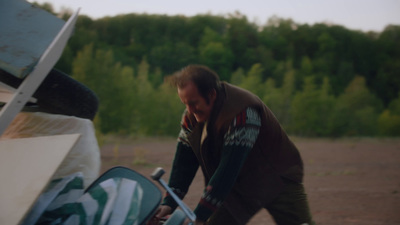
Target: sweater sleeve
[238,142]
[184,166]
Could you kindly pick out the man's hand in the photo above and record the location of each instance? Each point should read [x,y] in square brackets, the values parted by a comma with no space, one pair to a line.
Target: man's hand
[197,222]
[163,211]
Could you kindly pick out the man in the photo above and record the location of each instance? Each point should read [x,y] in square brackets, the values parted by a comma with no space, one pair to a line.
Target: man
[247,159]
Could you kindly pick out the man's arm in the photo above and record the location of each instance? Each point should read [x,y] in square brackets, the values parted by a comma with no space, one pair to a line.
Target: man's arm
[184,166]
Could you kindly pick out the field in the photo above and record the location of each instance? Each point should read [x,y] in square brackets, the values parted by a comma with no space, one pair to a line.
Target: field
[348,181]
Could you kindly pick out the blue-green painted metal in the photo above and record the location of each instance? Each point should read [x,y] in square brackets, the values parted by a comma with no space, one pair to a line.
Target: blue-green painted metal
[25,33]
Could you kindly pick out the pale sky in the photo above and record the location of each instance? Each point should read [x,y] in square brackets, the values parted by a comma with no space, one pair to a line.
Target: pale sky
[365,15]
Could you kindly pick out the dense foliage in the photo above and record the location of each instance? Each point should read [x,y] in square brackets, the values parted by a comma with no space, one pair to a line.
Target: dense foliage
[319,80]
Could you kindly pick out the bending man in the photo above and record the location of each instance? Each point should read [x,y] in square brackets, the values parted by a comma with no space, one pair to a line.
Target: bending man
[247,159]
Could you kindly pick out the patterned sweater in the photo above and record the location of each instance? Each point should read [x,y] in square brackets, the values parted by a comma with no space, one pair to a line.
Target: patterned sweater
[237,143]
[244,155]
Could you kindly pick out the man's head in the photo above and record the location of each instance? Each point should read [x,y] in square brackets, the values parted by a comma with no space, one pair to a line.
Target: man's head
[198,87]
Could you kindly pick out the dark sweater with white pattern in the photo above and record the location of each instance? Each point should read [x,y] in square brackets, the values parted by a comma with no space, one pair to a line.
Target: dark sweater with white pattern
[237,144]
[245,153]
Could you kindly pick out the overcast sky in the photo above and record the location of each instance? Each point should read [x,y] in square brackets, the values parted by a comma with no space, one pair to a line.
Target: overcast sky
[365,15]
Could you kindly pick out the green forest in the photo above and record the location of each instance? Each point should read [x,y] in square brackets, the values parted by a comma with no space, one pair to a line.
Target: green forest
[320,80]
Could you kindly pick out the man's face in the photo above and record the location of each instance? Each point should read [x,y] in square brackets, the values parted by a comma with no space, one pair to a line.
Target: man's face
[195,103]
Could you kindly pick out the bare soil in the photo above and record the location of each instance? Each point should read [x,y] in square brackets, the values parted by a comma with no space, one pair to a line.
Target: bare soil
[348,181]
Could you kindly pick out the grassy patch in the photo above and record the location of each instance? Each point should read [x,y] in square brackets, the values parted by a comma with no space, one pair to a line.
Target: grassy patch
[139,158]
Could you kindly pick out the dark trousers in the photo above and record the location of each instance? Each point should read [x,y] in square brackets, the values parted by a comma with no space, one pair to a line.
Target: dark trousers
[290,207]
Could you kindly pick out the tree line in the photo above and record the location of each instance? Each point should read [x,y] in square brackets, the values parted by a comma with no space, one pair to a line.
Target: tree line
[319,80]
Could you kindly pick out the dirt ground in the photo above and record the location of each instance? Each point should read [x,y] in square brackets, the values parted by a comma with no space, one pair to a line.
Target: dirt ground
[348,181]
